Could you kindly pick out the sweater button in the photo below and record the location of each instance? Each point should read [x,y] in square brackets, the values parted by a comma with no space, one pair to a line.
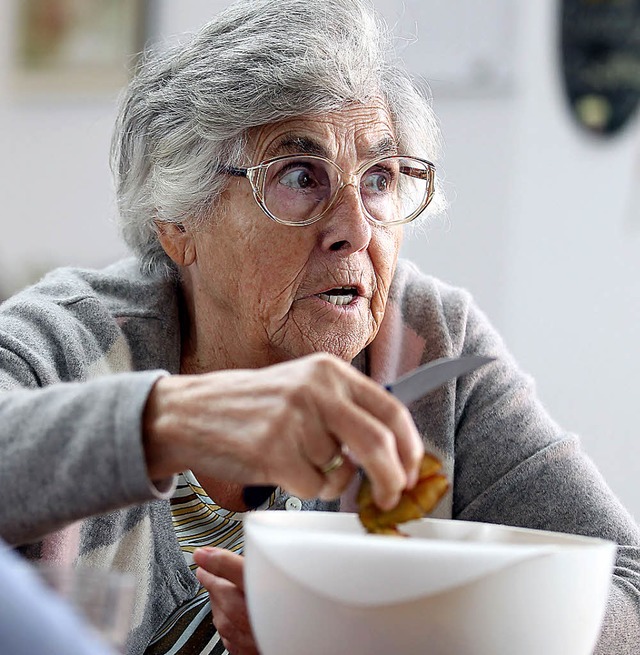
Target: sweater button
[293,504]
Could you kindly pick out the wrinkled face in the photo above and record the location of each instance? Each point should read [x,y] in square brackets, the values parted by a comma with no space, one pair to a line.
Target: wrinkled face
[263,292]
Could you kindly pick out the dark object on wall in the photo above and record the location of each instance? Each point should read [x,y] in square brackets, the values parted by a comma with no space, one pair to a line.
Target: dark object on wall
[600,46]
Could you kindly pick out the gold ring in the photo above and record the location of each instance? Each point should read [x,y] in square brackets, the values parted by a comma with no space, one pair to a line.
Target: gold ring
[334,463]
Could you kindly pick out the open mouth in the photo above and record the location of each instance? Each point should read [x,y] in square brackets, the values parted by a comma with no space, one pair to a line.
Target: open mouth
[339,295]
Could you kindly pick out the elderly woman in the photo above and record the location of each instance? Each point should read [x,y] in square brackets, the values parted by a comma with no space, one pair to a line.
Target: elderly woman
[264,171]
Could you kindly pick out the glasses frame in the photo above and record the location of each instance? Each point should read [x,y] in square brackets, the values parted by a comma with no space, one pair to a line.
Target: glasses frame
[257,175]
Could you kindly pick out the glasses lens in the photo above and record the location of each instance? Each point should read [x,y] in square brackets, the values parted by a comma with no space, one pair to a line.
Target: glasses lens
[395,189]
[300,188]
[297,189]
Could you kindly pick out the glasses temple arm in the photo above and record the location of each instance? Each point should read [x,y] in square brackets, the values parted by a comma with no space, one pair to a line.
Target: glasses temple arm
[232,170]
[421,173]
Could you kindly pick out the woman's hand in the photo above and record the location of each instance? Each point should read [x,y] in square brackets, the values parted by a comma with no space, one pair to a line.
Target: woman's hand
[220,573]
[282,425]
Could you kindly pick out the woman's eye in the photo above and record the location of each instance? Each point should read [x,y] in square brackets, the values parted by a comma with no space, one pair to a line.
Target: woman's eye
[377,182]
[297,179]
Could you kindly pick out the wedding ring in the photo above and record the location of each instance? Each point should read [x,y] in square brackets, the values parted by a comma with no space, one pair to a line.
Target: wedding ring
[334,463]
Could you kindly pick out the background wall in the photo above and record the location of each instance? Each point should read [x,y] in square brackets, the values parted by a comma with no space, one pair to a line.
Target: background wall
[543,226]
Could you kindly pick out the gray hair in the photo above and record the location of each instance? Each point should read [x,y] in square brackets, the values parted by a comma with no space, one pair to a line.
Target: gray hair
[188,111]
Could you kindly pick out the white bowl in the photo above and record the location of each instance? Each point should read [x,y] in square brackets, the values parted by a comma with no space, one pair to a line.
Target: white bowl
[316,584]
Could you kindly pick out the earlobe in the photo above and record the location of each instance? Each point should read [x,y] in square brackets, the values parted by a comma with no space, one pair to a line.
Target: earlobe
[177,242]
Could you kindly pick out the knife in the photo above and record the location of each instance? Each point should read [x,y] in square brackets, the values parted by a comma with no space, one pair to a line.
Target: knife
[422,380]
[409,387]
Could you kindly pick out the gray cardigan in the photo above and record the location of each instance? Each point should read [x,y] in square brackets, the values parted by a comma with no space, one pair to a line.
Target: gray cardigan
[80,351]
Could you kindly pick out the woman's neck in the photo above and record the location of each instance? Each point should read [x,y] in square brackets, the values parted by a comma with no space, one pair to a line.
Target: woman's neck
[227,495]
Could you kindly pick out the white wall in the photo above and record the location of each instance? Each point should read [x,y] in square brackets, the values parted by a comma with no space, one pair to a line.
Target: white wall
[572,302]
[57,204]
[542,226]
[545,230]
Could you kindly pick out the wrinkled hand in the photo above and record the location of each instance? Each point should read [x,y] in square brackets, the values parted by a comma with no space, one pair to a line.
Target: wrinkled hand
[220,573]
[281,425]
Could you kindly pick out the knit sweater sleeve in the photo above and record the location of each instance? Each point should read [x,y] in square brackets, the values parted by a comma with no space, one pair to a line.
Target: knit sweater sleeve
[509,461]
[70,416]
[514,465]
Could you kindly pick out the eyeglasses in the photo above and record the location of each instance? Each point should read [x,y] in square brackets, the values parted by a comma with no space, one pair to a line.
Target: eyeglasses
[301,189]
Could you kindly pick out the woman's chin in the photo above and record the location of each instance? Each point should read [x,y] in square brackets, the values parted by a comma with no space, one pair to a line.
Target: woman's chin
[312,328]
[345,344]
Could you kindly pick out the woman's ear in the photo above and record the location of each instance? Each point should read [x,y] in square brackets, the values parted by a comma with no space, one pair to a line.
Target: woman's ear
[177,242]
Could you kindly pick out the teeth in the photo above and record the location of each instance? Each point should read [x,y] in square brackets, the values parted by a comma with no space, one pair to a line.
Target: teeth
[337,298]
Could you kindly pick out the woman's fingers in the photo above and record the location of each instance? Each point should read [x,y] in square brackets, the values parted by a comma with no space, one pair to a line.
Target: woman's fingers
[393,414]
[337,480]
[374,442]
[221,563]
[221,573]
[375,427]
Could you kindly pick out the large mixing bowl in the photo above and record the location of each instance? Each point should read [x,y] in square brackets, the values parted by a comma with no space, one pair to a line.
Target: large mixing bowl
[316,584]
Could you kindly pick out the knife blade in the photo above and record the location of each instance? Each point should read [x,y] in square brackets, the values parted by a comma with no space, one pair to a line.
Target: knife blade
[409,387]
[427,378]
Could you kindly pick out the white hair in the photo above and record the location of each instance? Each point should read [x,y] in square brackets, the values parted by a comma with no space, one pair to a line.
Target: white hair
[188,110]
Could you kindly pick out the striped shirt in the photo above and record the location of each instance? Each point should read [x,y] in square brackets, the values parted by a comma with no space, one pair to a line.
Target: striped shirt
[197,522]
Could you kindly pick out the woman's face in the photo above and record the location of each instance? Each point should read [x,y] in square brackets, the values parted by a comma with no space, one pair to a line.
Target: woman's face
[260,292]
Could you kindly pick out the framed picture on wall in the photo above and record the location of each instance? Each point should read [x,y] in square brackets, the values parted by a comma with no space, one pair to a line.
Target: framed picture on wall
[75,46]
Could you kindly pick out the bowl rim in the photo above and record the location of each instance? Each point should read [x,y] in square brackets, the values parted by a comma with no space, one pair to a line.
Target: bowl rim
[296,522]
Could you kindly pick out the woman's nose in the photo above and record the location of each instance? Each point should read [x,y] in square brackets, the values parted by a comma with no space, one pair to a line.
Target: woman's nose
[346,228]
